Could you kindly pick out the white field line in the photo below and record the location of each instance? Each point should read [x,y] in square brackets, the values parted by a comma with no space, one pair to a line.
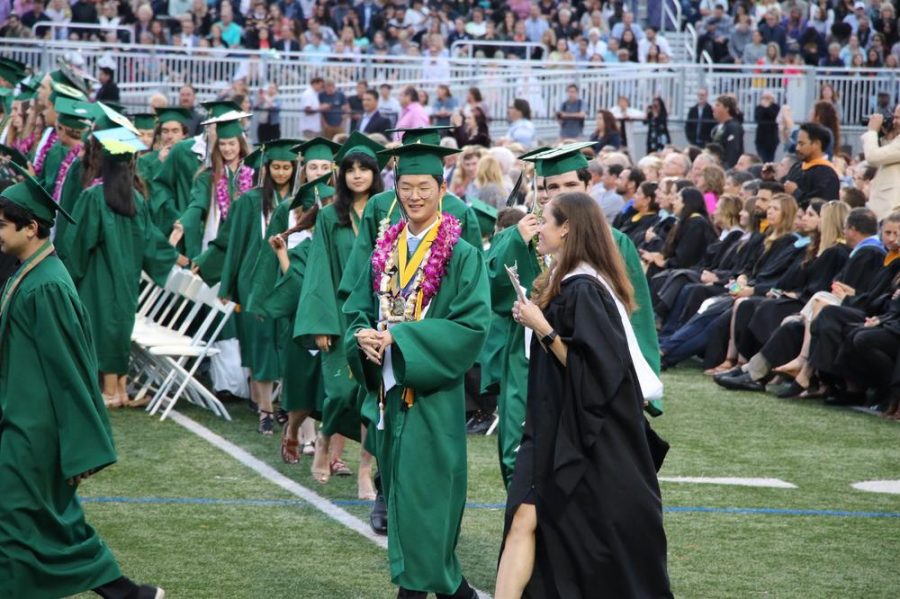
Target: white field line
[772,483]
[878,486]
[315,500]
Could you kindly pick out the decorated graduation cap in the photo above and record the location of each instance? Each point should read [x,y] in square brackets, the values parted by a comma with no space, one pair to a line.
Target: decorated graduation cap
[359,143]
[217,108]
[73,113]
[420,159]
[31,195]
[14,156]
[66,76]
[63,89]
[173,115]
[144,120]
[26,92]
[562,160]
[106,118]
[312,192]
[317,148]
[120,143]
[425,135]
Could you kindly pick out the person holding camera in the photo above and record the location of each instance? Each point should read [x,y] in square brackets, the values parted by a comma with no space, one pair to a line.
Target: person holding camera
[886,157]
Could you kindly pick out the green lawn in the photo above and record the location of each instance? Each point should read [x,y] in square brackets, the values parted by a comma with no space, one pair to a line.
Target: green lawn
[249,538]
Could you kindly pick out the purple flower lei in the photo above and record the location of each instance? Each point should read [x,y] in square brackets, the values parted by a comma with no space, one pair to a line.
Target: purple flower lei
[435,268]
[63,169]
[42,155]
[223,198]
[24,145]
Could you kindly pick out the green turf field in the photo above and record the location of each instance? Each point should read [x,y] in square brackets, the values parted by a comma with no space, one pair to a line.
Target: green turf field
[181,513]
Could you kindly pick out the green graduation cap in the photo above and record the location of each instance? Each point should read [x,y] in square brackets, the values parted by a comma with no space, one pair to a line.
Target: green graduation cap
[175,114]
[14,156]
[420,159]
[312,192]
[254,160]
[425,135]
[359,143]
[120,108]
[281,149]
[73,113]
[66,76]
[228,128]
[12,71]
[217,108]
[119,142]
[26,92]
[562,160]
[31,195]
[486,215]
[144,120]
[63,89]
[317,148]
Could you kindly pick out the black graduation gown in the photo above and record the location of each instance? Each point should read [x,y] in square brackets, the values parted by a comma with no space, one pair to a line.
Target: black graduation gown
[662,228]
[773,263]
[804,279]
[584,460]
[637,229]
[862,268]
[690,247]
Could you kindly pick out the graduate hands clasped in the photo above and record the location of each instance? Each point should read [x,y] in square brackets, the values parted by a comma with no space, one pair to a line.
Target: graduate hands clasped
[373,343]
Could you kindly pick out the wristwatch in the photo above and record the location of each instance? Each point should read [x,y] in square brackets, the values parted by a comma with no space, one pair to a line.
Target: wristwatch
[548,339]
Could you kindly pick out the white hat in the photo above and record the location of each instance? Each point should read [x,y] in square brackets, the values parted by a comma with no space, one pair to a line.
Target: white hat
[859,5]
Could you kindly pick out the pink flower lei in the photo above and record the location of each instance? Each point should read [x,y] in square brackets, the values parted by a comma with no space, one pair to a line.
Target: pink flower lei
[24,145]
[63,170]
[244,183]
[42,155]
[435,266]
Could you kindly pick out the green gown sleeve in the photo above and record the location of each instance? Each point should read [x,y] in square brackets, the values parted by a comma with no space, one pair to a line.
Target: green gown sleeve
[362,248]
[159,256]
[230,245]
[510,249]
[66,355]
[318,312]
[435,352]
[193,219]
[78,242]
[71,189]
[266,271]
[471,230]
[282,301]
[164,189]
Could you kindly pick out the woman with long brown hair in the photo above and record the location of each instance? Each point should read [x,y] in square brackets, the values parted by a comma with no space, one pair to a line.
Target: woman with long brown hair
[606,132]
[584,510]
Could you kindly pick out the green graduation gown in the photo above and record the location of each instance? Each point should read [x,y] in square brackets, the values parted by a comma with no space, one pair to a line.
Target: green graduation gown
[170,190]
[319,313]
[301,372]
[52,162]
[240,239]
[71,190]
[383,205]
[53,426]
[148,166]
[105,254]
[422,450]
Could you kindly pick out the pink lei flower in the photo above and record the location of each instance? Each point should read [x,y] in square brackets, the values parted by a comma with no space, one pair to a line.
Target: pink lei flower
[42,155]
[223,198]
[63,170]
[435,266]
[24,145]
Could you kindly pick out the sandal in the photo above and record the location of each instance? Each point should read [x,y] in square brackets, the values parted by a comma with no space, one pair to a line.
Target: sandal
[339,468]
[266,424]
[290,448]
[319,469]
[281,417]
[723,367]
[309,449]
[111,402]
[138,403]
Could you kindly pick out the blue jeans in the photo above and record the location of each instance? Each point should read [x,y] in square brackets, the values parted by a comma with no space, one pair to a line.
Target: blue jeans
[690,340]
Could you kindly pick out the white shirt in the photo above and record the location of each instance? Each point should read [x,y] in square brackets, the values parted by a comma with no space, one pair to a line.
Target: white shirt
[644,47]
[310,122]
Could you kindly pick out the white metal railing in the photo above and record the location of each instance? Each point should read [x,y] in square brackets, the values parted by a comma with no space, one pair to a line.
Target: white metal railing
[670,16]
[142,70]
[691,42]
[55,26]
[472,45]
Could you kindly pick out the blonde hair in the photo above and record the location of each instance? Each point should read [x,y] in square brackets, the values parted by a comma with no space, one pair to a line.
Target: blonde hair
[489,171]
[831,225]
[789,215]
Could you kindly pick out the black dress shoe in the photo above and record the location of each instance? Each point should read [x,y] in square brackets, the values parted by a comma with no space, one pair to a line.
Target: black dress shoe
[736,371]
[847,398]
[741,382]
[792,390]
[378,519]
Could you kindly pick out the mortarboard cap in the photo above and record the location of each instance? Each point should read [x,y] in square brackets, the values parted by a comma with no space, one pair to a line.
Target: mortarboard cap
[177,115]
[425,135]
[359,143]
[73,113]
[14,156]
[120,108]
[420,159]
[281,149]
[64,89]
[317,148]
[309,193]
[119,142]
[144,121]
[12,71]
[31,195]
[217,108]
[486,215]
[562,160]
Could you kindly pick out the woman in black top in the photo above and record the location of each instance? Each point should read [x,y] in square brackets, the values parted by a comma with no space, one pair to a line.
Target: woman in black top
[472,132]
[688,240]
[657,126]
[646,213]
[606,132]
[765,114]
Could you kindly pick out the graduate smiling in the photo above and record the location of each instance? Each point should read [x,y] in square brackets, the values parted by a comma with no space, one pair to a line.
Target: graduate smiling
[410,344]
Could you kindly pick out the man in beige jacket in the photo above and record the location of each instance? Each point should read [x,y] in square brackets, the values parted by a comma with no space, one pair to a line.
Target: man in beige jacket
[884,191]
